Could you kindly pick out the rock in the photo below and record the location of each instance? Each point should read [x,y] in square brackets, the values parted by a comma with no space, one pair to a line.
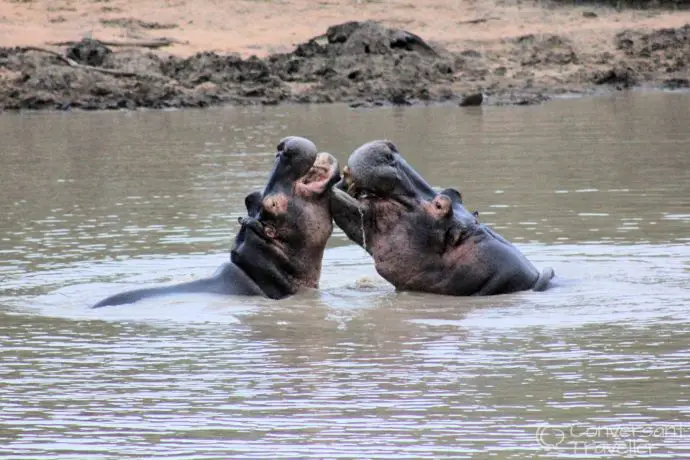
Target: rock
[88,52]
[619,75]
[471,100]
[365,59]
[589,14]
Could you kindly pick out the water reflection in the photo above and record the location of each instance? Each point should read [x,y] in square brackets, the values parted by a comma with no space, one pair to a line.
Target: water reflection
[95,203]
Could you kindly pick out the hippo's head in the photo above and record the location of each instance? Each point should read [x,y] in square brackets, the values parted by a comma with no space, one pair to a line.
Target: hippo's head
[421,239]
[281,241]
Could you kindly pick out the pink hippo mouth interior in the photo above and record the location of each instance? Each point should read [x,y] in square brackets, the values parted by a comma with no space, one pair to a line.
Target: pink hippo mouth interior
[294,157]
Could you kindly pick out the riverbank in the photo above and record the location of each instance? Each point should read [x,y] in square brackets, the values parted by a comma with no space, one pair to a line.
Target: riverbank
[268,52]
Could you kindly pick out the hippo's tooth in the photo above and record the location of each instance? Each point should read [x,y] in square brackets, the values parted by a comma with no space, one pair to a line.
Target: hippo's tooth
[347,178]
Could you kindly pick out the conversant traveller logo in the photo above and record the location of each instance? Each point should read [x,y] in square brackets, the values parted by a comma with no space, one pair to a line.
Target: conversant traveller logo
[628,441]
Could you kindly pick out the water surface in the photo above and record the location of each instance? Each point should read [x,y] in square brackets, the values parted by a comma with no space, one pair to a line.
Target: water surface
[94,203]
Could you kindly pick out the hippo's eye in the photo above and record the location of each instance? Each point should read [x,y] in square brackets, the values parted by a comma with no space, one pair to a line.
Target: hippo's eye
[388,157]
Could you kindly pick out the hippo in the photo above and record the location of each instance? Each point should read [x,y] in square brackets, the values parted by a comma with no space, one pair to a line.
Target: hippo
[280,244]
[420,239]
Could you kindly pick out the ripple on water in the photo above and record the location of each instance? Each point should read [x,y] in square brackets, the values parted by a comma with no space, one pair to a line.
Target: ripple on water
[355,369]
[349,371]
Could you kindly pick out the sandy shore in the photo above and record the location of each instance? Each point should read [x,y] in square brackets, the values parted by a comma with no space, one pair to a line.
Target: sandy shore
[262,27]
[488,30]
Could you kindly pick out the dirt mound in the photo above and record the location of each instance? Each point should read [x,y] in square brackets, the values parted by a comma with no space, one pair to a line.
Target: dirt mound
[354,61]
[668,48]
[361,63]
[89,52]
[662,54]
[364,60]
[228,78]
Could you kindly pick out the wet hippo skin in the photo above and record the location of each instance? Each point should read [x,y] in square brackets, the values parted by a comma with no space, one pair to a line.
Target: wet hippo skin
[279,247]
[421,239]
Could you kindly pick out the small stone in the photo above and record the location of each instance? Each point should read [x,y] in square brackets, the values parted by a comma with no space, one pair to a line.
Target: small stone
[472,100]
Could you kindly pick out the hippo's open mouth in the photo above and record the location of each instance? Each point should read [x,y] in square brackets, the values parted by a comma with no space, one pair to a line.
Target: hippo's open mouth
[285,192]
[279,247]
[289,221]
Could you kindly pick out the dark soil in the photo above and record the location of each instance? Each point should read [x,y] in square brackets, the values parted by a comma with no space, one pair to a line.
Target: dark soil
[662,55]
[360,63]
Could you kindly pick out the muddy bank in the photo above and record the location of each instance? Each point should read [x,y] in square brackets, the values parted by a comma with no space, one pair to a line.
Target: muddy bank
[361,63]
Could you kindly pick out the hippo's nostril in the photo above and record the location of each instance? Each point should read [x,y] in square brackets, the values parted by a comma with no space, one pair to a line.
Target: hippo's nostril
[289,151]
[281,146]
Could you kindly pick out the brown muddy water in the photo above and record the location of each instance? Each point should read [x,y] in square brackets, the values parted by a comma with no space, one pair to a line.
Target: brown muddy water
[598,367]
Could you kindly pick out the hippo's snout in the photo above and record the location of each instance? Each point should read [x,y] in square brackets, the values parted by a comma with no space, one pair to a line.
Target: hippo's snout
[294,158]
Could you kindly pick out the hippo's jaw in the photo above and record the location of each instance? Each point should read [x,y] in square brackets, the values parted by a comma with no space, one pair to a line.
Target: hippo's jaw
[281,241]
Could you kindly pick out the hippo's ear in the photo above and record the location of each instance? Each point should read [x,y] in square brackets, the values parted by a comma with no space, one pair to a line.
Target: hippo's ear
[320,178]
[453,194]
[253,203]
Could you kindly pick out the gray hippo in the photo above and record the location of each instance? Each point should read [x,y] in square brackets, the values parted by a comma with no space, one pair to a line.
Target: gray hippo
[420,239]
[280,245]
